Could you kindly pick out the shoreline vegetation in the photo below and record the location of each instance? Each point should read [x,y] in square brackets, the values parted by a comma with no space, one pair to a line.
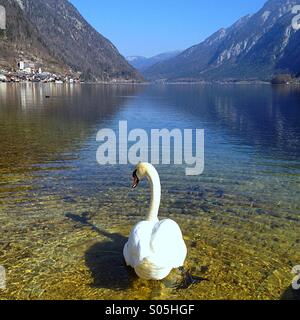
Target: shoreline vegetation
[296,83]
[40,76]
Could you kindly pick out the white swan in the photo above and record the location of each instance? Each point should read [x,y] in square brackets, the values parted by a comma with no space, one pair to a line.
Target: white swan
[154,247]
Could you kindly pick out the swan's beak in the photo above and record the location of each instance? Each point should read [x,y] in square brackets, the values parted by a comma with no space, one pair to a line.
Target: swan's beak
[136,180]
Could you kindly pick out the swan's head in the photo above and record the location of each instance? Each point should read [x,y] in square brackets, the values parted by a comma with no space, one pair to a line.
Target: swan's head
[139,173]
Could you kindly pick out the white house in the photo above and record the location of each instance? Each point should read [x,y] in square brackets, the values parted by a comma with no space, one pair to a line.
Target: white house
[21,65]
[2,18]
[27,67]
[28,70]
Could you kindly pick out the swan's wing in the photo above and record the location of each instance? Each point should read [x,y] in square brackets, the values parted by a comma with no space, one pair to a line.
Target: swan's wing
[167,244]
[138,246]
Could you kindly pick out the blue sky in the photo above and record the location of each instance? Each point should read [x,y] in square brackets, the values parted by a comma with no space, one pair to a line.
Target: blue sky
[149,27]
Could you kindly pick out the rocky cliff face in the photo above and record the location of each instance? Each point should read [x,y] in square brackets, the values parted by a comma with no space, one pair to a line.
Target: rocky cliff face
[53,32]
[21,40]
[255,47]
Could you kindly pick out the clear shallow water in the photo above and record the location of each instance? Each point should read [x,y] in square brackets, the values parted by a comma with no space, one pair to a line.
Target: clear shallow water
[64,219]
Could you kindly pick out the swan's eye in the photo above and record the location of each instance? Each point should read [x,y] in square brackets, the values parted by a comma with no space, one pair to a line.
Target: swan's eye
[136,180]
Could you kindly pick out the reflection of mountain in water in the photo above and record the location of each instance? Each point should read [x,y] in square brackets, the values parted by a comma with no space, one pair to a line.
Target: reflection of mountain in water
[35,128]
[259,116]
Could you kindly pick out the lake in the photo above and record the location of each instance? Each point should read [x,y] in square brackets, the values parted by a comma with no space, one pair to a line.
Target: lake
[65,218]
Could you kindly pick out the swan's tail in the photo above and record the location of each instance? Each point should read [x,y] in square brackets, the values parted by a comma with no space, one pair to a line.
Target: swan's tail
[149,271]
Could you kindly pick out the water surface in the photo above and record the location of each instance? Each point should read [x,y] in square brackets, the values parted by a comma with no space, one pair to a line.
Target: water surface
[64,218]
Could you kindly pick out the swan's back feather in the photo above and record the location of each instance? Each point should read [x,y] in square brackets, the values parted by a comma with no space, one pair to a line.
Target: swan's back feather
[167,244]
[155,248]
[138,245]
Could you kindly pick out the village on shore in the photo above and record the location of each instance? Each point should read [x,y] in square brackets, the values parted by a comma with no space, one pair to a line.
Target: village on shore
[30,72]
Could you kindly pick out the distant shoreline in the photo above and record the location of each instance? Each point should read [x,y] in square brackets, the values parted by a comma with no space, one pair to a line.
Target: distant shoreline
[161,83]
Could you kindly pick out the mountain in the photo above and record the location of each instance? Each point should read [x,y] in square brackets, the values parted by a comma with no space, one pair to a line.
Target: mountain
[54,34]
[21,40]
[142,63]
[255,47]
[138,62]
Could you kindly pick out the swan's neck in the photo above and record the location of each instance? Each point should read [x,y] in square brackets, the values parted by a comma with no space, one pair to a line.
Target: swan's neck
[155,186]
